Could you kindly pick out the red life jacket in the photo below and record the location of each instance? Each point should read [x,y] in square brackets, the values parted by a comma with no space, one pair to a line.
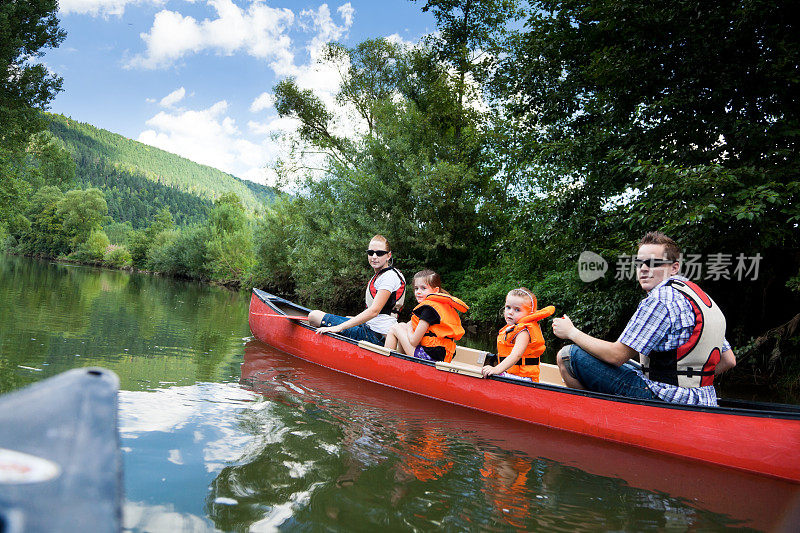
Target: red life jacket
[394,304]
[528,364]
[449,328]
[691,364]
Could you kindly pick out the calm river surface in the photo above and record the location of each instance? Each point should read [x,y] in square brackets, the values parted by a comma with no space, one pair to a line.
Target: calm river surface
[221,432]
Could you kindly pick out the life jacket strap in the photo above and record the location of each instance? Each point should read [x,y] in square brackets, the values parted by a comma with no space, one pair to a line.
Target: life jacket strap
[689,372]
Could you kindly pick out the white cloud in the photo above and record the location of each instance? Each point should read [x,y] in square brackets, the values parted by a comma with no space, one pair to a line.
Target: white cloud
[347,12]
[326,30]
[99,7]
[274,125]
[263,101]
[210,137]
[395,38]
[260,31]
[173,98]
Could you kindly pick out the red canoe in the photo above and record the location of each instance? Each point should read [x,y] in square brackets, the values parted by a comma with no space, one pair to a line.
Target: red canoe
[755,437]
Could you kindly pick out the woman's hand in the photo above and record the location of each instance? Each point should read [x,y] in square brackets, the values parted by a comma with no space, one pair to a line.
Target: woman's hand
[563,327]
[329,329]
[489,370]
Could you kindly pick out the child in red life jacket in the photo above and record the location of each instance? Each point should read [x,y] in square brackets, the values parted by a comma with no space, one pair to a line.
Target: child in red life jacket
[520,341]
[435,324]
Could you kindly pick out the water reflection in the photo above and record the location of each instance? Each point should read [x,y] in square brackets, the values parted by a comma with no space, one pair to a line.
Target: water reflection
[176,440]
[351,453]
[149,330]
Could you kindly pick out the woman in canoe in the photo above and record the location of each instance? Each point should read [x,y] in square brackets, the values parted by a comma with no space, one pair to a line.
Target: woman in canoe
[520,341]
[435,324]
[384,298]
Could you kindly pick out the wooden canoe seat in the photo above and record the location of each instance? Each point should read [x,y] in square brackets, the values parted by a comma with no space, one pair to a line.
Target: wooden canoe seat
[469,361]
[460,368]
[470,356]
[550,374]
[377,348]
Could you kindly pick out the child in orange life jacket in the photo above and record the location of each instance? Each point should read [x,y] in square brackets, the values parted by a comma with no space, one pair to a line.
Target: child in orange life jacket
[435,324]
[520,341]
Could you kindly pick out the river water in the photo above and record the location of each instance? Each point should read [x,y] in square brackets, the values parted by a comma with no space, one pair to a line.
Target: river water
[221,432]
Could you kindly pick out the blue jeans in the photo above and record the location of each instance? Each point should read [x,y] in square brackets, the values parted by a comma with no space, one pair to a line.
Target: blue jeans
[599,376]
[359,333]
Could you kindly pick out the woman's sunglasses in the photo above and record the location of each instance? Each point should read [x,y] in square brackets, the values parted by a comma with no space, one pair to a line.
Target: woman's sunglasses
[379,253]
[652,262]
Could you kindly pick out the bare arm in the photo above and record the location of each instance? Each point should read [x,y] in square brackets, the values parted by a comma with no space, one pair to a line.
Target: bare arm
[521,342]
[367,314]
[416,337]
[614,353]
[726,362]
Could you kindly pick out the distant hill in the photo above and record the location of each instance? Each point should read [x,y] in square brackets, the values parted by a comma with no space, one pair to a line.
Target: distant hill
[139,179]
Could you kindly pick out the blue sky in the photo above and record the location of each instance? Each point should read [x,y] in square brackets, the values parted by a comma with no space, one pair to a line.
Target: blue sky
[195,77]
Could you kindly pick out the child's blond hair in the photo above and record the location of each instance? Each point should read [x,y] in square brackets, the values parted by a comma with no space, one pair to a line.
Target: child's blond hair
[524,292]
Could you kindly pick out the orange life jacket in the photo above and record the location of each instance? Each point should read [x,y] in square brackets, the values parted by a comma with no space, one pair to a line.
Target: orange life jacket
[505,480]
[528,364]
[427,456]
[449,328]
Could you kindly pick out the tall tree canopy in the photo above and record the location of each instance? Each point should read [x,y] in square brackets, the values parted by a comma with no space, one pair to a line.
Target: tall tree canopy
[418,172]
[690,82]
[27,28]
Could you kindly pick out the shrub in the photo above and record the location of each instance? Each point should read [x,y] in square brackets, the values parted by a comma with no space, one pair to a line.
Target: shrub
[93,250]
[117,256]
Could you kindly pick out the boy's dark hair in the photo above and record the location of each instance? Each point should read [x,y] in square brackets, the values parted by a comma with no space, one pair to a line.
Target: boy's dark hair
[671,249]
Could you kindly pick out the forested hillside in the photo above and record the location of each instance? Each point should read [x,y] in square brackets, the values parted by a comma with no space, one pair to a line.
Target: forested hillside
[133,198]
[97,150]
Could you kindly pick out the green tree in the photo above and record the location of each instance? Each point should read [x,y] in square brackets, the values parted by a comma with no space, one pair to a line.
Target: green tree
[45,233]
[230,248]
[49,163]
[22,172]
[316,120]
[26,30]
[689,82]
[470,37]
[140,241]
[419,174]
[371,77]
[26,88]
[93,250]
[82,212]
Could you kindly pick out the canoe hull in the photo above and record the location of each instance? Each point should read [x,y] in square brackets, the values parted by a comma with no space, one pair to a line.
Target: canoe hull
[61,436]
[762,442]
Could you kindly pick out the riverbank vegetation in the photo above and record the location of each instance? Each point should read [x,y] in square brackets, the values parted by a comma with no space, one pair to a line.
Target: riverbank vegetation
[497,151]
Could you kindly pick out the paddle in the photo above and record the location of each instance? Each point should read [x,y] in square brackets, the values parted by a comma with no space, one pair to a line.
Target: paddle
[281,316]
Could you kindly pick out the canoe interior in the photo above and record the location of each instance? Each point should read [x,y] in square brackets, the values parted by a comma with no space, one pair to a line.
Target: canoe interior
[550,375]
[286,307]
